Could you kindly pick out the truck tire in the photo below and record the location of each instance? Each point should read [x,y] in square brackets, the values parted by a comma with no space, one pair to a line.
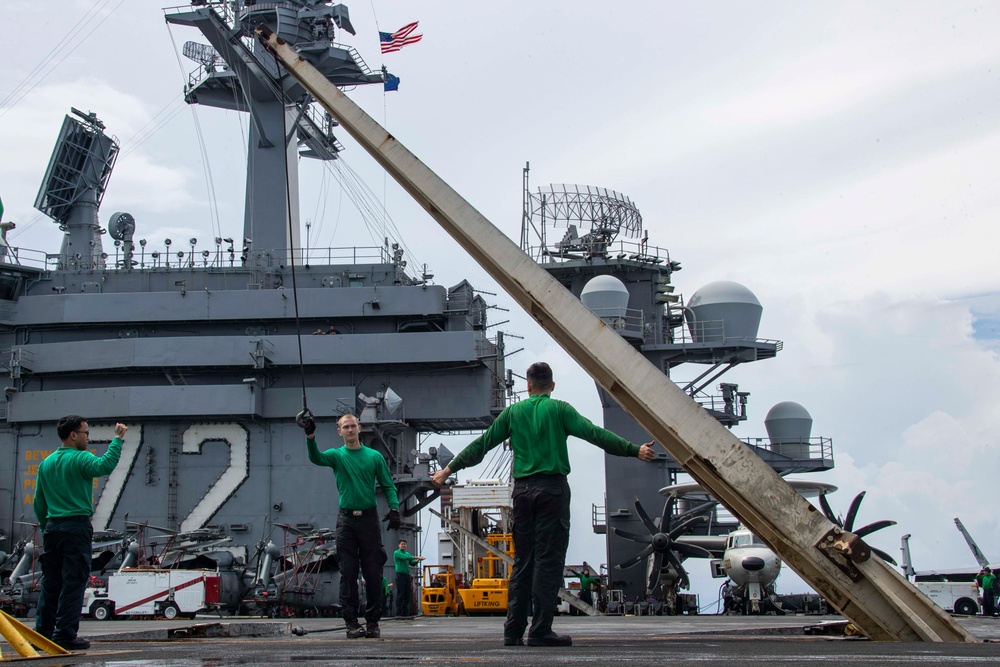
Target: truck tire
[101,611]
[170,611]
[966,607]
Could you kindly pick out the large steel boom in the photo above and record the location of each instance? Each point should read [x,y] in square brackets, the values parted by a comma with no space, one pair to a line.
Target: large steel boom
[837,563]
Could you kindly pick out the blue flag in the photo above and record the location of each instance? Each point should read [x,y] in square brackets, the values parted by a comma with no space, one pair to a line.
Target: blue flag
[391,82]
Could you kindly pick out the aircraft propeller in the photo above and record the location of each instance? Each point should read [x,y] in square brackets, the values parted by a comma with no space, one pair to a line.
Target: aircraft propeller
[660,540]
[848,522]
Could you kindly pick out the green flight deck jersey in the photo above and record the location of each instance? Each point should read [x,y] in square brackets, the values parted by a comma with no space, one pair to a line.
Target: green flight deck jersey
[64,486]
[356,471]
[538,427]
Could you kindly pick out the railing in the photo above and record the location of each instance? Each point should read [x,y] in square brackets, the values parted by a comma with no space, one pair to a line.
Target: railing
[625,321]
[713,332]
[190,258]
[35,259]
[598,516]
[620,249]
[809,449]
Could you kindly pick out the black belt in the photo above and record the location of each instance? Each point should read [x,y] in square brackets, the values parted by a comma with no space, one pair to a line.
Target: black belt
[60,519]
[368,512]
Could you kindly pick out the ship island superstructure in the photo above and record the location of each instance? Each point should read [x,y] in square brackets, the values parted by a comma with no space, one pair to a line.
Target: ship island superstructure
[207,350]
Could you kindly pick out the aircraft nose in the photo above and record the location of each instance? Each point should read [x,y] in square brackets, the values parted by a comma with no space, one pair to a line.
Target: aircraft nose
[753,563]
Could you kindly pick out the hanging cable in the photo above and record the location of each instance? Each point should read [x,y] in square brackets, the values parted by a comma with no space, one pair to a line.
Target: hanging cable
[299,418]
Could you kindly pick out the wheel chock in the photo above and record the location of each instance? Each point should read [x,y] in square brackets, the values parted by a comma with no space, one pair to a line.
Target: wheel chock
[21,637]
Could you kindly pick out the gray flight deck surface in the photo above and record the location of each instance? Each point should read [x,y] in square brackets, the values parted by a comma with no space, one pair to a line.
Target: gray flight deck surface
[695,640]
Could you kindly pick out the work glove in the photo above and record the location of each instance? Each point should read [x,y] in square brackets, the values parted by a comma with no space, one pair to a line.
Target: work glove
[306,421]
[393,518]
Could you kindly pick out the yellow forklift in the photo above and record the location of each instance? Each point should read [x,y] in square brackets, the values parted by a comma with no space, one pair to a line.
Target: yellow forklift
[439,595]
[488,592]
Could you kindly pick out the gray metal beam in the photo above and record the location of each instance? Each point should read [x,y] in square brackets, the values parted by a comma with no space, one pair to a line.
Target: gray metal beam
[838,564]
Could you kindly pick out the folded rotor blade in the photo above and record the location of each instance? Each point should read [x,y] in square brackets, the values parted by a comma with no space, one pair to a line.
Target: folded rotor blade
[629,535]
[635,560]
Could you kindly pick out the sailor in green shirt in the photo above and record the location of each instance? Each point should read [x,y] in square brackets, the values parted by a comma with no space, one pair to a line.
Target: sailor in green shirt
[538,428]
[588,583]
[402,560]
[987,581]
[64,503]
[359,537]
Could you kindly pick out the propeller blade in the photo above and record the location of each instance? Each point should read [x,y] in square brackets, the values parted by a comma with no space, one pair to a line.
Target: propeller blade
[692,550]
[883,555]
[852,511]
[635,560]
[650,526]
[668,513]
[682,575]
[872,527]
[686,526]
[828,511]
[654,573]
[704,508]
[635,537]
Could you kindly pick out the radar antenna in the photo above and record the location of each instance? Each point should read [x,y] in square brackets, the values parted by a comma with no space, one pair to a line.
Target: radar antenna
[203,54]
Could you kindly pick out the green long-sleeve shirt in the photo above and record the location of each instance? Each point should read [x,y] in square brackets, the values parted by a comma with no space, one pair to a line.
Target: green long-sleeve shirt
[402,560]
[64,485]
[538,427]
[356,472]
[587,583]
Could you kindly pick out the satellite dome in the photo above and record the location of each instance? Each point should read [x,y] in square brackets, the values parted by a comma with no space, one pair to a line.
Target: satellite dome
[606,296]
[789,426]
[723,310]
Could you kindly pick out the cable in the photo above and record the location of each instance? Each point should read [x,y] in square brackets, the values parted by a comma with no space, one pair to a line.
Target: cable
[291,263]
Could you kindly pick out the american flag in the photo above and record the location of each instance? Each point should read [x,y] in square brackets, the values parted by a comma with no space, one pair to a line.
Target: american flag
[394,41]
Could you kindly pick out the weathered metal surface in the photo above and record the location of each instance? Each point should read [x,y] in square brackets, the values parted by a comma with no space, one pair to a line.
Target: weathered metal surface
[881,603]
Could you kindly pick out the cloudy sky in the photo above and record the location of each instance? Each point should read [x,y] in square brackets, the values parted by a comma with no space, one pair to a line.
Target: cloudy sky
[838,159]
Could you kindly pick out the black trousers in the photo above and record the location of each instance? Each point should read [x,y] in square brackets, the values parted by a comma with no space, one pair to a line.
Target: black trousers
[359,545]
[404,594]
[66,556]
[541,535]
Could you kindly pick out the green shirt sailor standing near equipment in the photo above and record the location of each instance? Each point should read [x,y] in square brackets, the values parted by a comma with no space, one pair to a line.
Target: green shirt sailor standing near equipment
[402,560]
[359,536]
[64,503]
[538,427]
